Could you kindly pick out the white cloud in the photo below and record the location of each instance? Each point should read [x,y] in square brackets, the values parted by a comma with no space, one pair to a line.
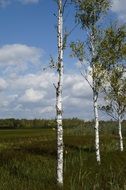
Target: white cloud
[3,84]
[33,80]
[18,58]
[47,109]
[32,95]
[3,104]
[119,7]
[78,89]
[6,100]
[18,54]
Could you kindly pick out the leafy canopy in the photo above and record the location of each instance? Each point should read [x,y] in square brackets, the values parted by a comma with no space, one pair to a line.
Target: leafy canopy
[115,94]
[113,46]
[88,12]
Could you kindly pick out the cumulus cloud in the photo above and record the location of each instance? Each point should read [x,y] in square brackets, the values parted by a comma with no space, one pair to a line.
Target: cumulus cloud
[18,57]
[119,7]
[18,53]
[3,84]
[31,94]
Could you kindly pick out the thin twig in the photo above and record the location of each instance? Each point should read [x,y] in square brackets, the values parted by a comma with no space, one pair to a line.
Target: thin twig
[87,80]
[54,85]
[64,6]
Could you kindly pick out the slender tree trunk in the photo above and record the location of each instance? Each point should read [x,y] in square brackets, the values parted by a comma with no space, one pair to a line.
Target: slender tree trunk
[95,97]
[120,133]
[59,96]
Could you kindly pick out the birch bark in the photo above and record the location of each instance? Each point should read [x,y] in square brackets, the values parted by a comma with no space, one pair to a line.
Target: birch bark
[97,148]
[120,133]
[95,98]
[59,96]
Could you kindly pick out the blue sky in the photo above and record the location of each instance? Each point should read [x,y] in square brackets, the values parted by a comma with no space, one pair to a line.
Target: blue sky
[27,39]
[31,24]
[34,24]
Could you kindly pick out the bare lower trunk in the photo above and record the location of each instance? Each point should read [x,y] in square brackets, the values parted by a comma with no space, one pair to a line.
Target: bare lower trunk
[120,133]
[59,97]
[59,138]
[59,150]
[95,97]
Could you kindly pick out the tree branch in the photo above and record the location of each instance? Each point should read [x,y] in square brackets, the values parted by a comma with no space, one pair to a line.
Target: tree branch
[87,80]
[111,115]
[64,5]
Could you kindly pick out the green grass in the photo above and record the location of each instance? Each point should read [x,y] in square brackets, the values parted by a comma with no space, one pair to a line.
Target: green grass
[28,161]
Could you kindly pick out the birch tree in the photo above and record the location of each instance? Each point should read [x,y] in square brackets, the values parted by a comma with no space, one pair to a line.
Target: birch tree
[59,109]
[62,36]
[115,98]
[113,49]
[61,45]
[88,15]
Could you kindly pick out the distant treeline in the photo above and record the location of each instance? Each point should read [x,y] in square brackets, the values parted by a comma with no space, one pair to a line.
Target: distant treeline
[12,123]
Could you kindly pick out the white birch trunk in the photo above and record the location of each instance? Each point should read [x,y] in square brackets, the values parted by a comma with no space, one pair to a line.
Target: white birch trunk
[95,98]
[59,97]
[120,134]
[97,148]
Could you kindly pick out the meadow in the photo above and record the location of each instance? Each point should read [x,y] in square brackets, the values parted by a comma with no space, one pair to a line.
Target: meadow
[28,159]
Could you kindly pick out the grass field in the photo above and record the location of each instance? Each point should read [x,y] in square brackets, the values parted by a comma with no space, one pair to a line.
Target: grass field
[28,160]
